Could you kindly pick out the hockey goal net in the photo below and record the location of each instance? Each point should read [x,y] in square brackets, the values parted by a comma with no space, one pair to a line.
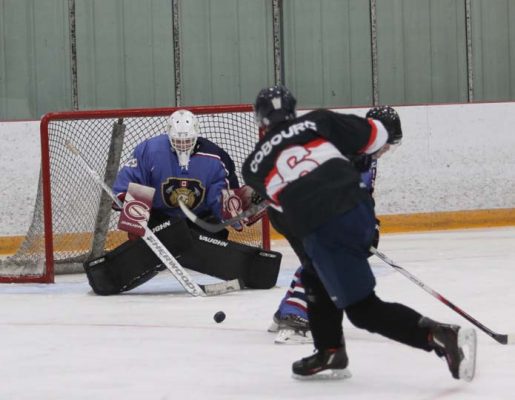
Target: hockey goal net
[73,220]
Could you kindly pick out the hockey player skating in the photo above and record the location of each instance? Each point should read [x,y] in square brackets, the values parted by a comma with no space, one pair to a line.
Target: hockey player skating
[290,321]
[303,165]
[181,165]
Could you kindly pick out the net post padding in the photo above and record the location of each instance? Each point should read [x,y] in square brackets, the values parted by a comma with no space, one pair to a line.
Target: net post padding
[71,221]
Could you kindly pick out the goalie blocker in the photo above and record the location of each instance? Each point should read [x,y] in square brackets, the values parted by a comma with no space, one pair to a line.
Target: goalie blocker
[133,263]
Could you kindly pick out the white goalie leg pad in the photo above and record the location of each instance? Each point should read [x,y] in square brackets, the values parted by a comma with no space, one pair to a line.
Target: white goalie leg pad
[467,342]
[292,336]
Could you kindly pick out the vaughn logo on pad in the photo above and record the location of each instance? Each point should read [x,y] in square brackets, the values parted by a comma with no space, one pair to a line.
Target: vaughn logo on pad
[136,209]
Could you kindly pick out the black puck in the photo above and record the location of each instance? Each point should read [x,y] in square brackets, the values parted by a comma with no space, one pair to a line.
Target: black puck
[219,317]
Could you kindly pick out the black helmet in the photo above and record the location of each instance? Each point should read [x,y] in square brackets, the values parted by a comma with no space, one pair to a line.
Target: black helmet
[391,121]
[273,105]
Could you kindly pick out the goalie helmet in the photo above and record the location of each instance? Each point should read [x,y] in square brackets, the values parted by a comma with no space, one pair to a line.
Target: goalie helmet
[391,121]
[273,105]
[183,130]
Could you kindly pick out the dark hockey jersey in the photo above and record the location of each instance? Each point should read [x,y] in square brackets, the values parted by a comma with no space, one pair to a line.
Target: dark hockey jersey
[155,164]
[304,166]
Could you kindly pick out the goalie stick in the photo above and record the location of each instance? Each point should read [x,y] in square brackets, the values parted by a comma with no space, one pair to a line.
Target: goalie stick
[158,248]
[499,337]
[213,228]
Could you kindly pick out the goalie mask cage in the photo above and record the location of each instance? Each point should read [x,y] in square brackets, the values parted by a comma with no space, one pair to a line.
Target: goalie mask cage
[73,220]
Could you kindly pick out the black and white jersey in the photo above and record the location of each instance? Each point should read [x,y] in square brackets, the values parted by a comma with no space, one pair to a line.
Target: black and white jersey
[303,166]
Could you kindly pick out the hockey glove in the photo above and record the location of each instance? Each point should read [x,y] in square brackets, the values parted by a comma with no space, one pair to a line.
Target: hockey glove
[121,196]
[236,201]
[254,200]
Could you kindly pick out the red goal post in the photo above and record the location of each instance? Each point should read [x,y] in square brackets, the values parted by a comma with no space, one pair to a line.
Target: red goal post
[72,219]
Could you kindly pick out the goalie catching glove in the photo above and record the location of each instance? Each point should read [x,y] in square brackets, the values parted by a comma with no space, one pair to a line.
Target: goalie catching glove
[121,196]
[237,201]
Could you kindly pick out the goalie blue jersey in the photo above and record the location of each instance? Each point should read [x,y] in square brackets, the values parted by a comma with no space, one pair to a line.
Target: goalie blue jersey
[155,164]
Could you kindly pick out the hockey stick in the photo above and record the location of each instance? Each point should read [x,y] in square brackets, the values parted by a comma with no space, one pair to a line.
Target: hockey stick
[158,248]
[213,228]
[501,338]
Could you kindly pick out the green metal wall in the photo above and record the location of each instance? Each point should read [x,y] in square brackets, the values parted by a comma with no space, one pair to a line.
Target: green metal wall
[90,54]
[225,56]
[493,51]
[421,51]
[328,52]
[34,58]
[124,53]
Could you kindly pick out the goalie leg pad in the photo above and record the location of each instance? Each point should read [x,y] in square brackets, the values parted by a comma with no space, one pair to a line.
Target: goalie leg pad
[213,255]
[225,259]
[122,269]
[133,263]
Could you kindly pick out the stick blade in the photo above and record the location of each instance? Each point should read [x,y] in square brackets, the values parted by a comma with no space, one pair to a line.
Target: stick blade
[504,339]
[213,228]
[215,289]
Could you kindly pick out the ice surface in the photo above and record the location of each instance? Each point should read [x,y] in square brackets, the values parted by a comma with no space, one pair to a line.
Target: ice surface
[61,342]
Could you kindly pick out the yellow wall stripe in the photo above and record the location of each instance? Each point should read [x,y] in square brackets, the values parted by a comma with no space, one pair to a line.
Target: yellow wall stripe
[394,223]
[9,244]
[397,223]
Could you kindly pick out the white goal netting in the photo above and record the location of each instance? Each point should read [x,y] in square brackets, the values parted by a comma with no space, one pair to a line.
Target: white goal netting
[72,219]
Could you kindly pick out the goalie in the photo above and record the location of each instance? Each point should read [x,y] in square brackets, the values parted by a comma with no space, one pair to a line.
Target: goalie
[181,165]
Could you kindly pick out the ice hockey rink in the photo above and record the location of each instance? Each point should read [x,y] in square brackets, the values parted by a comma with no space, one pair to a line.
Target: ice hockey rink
[61,342]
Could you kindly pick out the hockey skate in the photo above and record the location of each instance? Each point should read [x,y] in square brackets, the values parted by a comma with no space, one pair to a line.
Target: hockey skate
[325,364]
[293,336]
[456,344]
[274,326]
[291,329]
